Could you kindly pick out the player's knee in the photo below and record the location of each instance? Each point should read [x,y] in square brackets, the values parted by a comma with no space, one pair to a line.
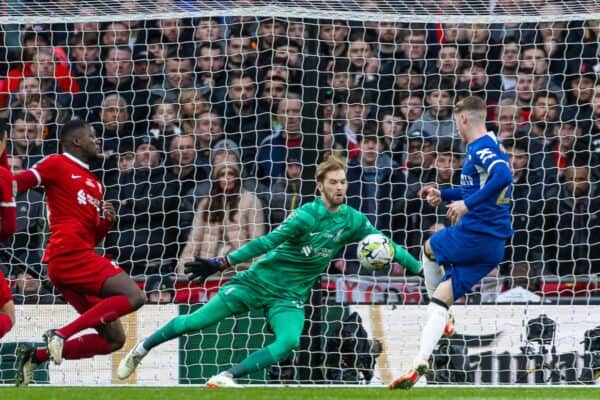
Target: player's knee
[137,299]
[428,251]
[288,344]
[117,341]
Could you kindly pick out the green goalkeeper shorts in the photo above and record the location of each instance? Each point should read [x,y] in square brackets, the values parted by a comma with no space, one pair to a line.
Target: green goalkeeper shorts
[242,294]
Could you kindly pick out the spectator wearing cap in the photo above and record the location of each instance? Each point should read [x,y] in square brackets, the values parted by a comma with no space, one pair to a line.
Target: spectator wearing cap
[145,240]
[245,123]
[571,223]
[55,78]
[287,192]
[419,155]
[226,219]
[272,153]
[28,240]
[437,119]
[159,289]
[522,258]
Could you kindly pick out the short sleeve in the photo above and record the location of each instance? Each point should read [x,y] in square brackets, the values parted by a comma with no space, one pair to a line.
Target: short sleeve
[45,170]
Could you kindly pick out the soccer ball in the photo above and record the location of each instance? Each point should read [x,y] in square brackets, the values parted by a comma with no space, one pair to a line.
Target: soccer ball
[375,252]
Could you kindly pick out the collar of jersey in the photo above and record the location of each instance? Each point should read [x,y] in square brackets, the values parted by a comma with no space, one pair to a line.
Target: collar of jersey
[76,160]
[336,215]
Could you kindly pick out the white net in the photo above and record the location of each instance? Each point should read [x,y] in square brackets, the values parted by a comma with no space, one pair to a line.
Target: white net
[212,117]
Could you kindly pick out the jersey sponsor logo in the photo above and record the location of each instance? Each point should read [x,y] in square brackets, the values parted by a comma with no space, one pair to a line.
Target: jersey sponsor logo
[84,198]
[485,155]
[81,197]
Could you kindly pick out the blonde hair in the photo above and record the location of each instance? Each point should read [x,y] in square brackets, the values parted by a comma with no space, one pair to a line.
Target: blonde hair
[473,105]
[331,163]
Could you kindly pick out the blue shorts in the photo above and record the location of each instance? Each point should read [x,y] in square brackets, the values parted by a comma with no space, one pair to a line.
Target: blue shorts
[466,256]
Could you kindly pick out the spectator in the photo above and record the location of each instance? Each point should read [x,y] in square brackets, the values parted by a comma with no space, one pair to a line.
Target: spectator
[536,59]
[356,112]
[240,51]
[29,290]
[115,124]
[165,124]
[27,242]
[374,180]
[191,105]
[118,78]
[545,114]
[437,120]
[580,92]
[159,289]
[208,29]
[333,35]
[55,78]
[182,164]
[445,173]
[414,52]
[340,80]
[523,256]
[571,227]
[25,139]
[508,119]
[224,221]
[207,130]
[393,130]
[388,46]
[267,31]
[419,157]
[210,73]
[271,93]
[272,153]
[145,240]
[449,60]
[506,80]
[245,123]
[523,91]
[287,192]
[115,34]
[178,76]
[363,64]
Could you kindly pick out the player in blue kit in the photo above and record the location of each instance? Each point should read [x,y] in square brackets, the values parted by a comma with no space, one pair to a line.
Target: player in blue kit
[457,257]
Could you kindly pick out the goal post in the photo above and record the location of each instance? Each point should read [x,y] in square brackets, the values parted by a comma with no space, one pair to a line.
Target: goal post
[196,103]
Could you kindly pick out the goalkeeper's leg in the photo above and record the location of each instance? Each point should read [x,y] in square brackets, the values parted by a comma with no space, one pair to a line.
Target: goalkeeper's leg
[209,314]
[287,325]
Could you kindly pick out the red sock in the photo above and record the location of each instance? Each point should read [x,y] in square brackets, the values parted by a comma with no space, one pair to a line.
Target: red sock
[85,346]
[5,324]
[102,313]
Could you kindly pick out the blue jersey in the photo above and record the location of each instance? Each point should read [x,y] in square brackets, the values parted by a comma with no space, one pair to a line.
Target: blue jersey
[489,207]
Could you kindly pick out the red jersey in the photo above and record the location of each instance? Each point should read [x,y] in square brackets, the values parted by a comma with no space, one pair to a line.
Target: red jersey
[74,197]
[8,207]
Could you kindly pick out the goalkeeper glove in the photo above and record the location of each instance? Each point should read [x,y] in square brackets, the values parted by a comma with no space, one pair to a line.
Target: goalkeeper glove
[199,269]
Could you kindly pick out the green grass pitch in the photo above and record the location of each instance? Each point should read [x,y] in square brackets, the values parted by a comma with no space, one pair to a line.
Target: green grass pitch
[261,393]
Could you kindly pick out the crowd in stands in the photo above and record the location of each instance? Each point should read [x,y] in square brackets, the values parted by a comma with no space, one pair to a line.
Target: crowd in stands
[210,130]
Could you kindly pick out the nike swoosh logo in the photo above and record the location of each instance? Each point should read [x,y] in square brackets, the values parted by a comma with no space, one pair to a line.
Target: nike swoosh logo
[75,176]
[315,234]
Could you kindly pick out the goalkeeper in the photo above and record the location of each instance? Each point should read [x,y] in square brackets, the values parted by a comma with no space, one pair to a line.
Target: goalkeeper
[297,252]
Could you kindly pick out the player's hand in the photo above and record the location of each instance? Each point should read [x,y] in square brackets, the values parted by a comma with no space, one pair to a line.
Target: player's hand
[108,210]
[201,268]
[455,210]
[432,194]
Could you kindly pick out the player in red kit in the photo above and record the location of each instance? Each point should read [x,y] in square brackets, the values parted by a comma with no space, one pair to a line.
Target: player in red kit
[8,226]
[96,287]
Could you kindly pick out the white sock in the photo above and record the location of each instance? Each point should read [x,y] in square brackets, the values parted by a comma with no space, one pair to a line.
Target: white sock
[139,349]
[432,272]
[437,316]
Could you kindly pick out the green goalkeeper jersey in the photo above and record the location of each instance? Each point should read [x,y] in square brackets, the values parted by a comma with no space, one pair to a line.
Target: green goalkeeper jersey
[302,247]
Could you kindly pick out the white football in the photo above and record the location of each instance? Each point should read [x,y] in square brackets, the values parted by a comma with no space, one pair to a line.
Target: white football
[375,252]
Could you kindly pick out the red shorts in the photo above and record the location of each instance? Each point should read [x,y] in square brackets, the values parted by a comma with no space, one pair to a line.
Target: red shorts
[79,277]
[5,294]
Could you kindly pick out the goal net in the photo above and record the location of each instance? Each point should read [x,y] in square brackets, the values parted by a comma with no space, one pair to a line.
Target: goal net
[212,117]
